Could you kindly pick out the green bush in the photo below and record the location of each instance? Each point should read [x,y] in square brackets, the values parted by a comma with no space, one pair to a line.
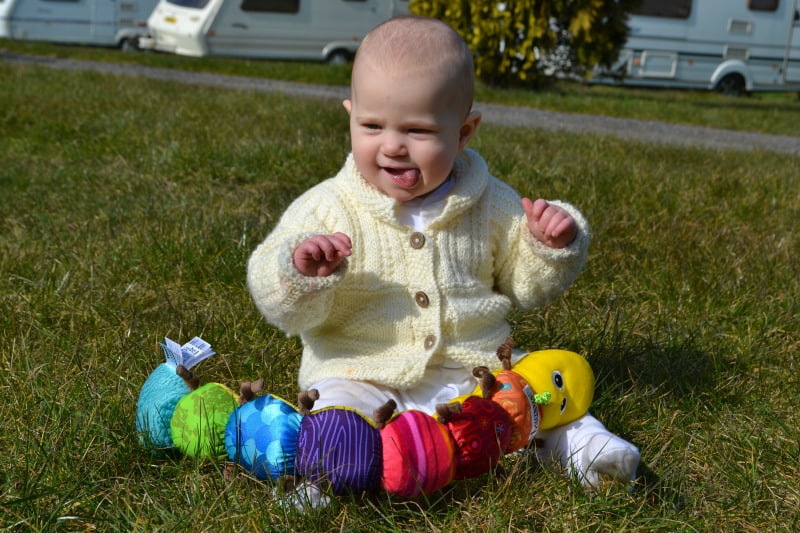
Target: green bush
[527,42]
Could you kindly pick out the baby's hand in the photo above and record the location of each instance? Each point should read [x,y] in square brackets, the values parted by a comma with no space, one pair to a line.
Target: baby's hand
[549,224]
[320,255]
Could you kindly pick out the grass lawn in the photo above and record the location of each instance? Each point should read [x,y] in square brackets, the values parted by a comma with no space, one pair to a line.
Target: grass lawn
[128,209]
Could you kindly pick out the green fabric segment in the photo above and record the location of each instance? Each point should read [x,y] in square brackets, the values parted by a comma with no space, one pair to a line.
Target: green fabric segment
[198,423]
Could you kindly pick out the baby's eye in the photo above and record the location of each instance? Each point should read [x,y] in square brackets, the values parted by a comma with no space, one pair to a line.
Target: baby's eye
[420,131]
[371,126]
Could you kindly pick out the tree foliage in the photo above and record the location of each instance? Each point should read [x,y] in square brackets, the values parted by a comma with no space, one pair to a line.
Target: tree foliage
[525,42]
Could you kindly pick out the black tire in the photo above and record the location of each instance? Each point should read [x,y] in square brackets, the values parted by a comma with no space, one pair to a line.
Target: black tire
[129,44]
[732,85]
[339,57]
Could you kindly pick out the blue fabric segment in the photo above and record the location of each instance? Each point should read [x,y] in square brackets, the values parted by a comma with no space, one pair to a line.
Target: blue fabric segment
[261,435]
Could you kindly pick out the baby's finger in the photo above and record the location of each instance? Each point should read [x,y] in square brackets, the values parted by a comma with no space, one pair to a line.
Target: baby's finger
[320,248]
[547,219]
[559,224]
[342,243]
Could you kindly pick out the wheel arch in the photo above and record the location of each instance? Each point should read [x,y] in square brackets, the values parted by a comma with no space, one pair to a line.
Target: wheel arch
[731,67]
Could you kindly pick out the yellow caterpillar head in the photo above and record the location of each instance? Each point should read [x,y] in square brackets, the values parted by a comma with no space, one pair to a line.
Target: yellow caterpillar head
[566,377]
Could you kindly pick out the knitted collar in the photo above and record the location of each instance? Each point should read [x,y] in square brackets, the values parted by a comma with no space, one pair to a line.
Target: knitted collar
[469,171]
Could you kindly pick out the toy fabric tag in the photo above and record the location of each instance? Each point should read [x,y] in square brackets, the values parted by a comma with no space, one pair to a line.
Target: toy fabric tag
[535,412]
[188,355]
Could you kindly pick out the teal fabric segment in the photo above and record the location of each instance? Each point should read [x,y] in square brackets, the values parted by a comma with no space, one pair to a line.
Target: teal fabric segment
[157,400]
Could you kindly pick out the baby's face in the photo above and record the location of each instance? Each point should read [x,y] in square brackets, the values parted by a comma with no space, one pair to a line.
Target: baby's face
[406,130]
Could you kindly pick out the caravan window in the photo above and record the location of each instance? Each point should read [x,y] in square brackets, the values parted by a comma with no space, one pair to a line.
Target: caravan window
[762,5]
[271,6]
[676,9]
[197,4]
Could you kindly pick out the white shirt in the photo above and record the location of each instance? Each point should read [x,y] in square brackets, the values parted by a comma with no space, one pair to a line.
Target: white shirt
[419,212]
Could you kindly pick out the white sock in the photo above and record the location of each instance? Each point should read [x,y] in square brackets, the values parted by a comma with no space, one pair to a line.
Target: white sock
[587,449]
[305,496]
[607,457]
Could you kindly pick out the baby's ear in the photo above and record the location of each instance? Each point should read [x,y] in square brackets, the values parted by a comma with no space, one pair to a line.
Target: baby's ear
[348,105]
[468,128]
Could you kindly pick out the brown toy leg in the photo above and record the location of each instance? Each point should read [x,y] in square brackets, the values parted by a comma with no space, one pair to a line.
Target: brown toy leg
[486,380]
[248,390]
[306,401]
[504,352]
[383,414]
[445,410]
[188,377]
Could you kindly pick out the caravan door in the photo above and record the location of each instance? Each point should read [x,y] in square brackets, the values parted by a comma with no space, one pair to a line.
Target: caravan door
[104,20]
[791,62]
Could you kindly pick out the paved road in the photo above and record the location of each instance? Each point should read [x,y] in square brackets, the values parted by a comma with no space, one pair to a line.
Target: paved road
[637,130]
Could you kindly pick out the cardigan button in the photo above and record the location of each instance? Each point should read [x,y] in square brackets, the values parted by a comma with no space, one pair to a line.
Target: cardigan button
[422,299]
[430,342]
[417,240]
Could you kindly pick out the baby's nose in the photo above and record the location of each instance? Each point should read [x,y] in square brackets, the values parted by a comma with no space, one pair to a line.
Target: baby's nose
[393,144]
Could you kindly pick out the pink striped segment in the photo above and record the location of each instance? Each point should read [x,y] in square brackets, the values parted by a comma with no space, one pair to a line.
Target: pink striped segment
[418,455]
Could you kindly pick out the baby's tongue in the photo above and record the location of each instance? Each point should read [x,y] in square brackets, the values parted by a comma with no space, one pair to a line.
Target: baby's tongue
[406,178]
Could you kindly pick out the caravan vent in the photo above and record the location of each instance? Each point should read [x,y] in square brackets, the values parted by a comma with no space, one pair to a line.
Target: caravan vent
[736,52]
[740,27]
[127,7]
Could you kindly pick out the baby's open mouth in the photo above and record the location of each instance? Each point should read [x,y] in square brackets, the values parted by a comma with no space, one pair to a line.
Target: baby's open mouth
[405,177]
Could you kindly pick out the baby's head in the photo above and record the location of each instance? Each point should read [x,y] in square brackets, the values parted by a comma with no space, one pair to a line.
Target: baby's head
[411,105]
[424,47]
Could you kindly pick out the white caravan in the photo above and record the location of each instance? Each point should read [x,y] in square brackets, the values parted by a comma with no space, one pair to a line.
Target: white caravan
[322,30]
[5,8]
[733,46]
[95,22]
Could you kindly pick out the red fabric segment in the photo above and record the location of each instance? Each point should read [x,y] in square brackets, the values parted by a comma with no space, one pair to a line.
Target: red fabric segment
[482,430]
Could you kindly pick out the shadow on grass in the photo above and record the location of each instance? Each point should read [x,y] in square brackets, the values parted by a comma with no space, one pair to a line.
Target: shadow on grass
[681,371]
[678,373]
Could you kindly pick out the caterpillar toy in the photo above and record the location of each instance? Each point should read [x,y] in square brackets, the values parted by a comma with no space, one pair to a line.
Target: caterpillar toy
[407,454]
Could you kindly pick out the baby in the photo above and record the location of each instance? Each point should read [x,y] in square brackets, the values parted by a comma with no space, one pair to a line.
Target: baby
[398,273]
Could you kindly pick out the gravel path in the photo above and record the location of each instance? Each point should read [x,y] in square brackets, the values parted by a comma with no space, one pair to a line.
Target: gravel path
[631,129]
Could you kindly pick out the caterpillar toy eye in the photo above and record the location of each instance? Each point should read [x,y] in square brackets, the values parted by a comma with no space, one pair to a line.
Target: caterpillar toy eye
[558,380]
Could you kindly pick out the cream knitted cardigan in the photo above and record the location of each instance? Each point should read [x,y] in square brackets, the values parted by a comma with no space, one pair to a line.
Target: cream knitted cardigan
[406,299]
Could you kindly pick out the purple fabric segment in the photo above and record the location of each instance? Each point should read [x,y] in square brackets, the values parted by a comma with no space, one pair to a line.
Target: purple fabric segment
[341,447]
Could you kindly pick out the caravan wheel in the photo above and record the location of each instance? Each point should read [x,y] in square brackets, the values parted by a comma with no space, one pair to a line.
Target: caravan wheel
[129,44]
[339,57]
[732,85]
